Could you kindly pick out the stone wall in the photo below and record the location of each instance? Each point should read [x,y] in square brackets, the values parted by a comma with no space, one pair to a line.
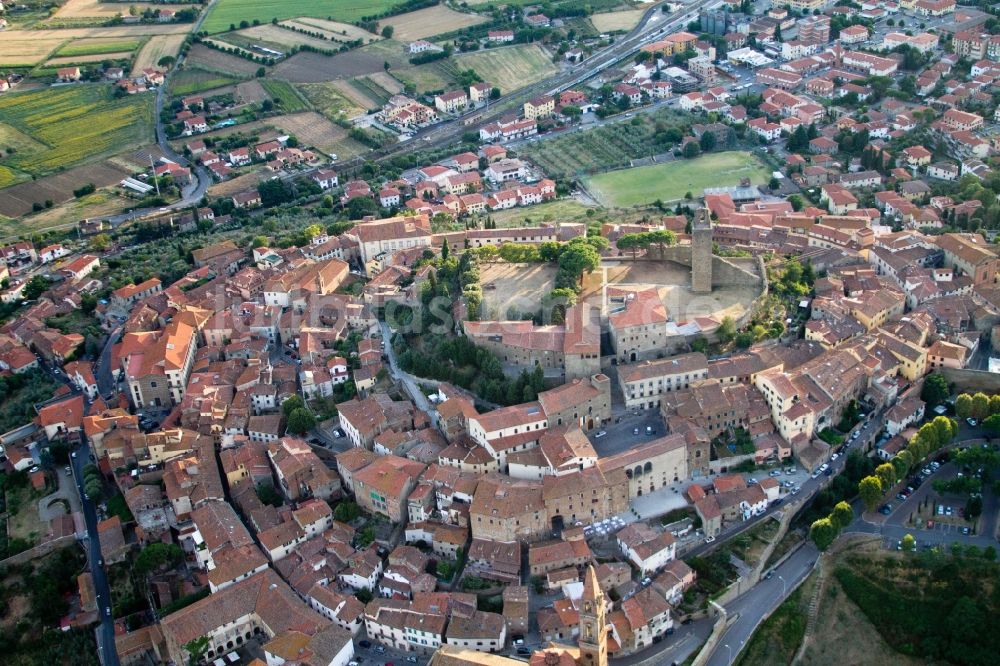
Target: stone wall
[970,381]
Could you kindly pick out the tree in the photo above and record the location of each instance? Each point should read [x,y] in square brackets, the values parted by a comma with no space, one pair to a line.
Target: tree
[992,424]
[633,242]
[166,61]
[444,250]
[707,142]
[909,544]
[870,491]
[261,72]
[291,404]
[387,31]
[100,242]
[744,339]
[579,258]
[963,406]
[346,511]
[906,459]
[36,286]
[301,421]
[946,430]
[823,532]
[727,330]
[155,555]
[887,474]
[980,406]
[974,507]
[196,649]
[691,149]
[935,390]
[842,515]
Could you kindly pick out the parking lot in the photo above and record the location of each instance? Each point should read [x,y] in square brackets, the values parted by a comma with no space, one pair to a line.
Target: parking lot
[627,431]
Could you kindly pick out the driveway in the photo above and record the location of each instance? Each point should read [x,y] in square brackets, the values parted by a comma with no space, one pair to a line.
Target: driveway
[49,508]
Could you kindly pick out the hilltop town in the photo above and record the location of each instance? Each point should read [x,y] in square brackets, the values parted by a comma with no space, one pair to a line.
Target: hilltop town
[634,333]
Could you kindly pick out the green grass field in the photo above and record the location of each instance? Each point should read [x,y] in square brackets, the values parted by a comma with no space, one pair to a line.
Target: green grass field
[231,12]
[284,95]
[74,124]
[86,47]
[508,68]
[670,181]
[191,81]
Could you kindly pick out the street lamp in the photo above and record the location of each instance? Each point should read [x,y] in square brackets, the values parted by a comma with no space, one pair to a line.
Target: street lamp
[730,661]
[783,586]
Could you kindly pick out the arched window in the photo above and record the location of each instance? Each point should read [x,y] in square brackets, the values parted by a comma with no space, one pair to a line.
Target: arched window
[638,470]
[647,468]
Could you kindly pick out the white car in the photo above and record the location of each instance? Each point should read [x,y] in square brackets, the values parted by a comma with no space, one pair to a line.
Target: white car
[709,539]
[600,434]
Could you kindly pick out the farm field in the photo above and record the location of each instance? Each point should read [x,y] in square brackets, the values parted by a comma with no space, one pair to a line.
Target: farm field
[75,9]
[284,95]
[227,12]
[211,60]
[312,129]
[612,21]
[83,59]
[17,199]
[191,81]
[342,32]
[282,38]
[428,22]
[228,188]
[23,50]
[613,145]
[671,180]
[75,124]
[307,67]
[87,47]
[100,203]
[250,92]
[155,48]
[509,68]
[331,101]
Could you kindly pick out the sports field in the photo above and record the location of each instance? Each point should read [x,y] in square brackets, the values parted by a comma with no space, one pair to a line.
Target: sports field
[74,124]
[509,68]
[230,12]
[670,181]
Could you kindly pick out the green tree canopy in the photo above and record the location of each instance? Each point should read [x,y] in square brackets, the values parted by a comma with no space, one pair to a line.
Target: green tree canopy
[301,421]
[935,390]
[870,491]
[823,532]
[842,515]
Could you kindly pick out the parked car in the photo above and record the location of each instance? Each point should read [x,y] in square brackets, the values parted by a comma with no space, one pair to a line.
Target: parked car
[600,433]
[635,431]
[972,422]
[709,539]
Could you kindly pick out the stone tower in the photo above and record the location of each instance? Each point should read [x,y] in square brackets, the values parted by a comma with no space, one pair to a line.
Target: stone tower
[701,253]
[593,627]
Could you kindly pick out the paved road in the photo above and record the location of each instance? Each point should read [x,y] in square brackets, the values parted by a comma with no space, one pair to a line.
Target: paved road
[409,381]
[760,600]
[105,380]
[106,632]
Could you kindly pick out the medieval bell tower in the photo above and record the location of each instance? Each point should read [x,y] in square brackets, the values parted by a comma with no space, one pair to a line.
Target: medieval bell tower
[593,627]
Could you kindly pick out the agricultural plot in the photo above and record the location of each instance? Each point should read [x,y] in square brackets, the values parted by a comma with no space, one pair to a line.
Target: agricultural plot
[334,30]
[331,101]
[306,67]
[284,95]
[230,12]
[191,81]
[22,50]
[386,81]
[62,61]
[372,90]
[428,22]
[156,48]
[312,129]
[99,204]
[425,78]
[671,180]
[509,68]
[274,36]
[614,21]
[88,47]
[75,124]
[228,188]
[211,60]
[608,147]
[77,9]
[17,200]
[250,92]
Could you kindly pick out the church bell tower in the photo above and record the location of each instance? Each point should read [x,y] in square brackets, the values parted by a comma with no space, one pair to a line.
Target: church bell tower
[593,626]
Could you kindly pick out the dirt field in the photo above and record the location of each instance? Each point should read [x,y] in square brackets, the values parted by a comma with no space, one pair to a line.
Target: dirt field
[228,188]
[428,22]
[250,91]
[100,203]
[74,9]
[342,32]
[386,80]
[673,283]
[97,57]
[314,68]
[520,286]
[612,21]
[356,95]
[16,200]
[156,48]
[272,34]
[212,60]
